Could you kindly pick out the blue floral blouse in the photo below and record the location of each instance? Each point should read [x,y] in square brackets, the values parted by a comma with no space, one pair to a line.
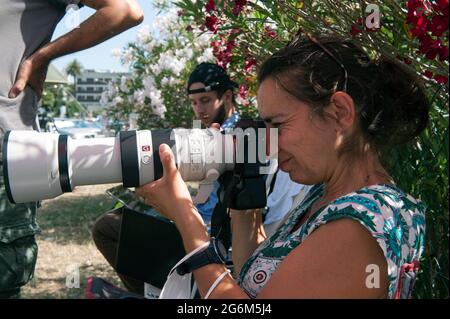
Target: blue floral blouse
[395,219]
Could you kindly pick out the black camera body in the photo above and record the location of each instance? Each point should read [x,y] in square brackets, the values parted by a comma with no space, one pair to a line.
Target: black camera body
[247,188]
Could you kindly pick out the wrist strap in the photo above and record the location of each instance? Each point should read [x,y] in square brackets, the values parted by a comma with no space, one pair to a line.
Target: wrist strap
[218,280]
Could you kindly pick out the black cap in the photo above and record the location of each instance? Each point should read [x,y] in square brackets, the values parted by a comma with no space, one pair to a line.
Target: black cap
[212,76]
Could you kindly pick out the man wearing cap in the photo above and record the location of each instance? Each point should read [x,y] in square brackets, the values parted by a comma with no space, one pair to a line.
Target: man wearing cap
[211,92]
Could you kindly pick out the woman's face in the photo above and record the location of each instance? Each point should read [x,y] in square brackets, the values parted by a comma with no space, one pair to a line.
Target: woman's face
[207,105]
[306,143]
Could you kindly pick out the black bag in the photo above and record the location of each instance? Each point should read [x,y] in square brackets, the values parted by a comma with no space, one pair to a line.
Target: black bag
[149,246]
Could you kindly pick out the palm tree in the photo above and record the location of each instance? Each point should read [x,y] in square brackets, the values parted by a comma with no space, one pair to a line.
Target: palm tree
[74,69]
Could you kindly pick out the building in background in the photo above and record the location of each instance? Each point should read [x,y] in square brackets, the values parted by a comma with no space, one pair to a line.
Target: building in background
[90,85]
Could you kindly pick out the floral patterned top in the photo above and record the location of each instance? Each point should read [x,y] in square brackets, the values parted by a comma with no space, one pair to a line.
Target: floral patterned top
[396,220]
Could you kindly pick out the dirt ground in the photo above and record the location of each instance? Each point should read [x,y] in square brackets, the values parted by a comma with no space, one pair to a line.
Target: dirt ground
[66,249]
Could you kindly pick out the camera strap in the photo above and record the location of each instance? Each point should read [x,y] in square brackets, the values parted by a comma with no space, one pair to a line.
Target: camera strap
[176,286]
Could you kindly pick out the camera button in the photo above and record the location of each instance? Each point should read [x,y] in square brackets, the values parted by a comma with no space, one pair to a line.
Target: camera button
[146,159]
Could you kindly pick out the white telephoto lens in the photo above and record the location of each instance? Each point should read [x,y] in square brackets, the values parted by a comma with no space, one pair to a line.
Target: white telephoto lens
[31,167]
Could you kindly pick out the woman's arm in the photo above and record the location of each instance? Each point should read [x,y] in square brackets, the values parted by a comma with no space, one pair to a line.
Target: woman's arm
[247,234]
[331,263]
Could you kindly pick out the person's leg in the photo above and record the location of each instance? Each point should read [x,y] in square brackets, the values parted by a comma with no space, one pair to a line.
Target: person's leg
[17,264]
[106,237]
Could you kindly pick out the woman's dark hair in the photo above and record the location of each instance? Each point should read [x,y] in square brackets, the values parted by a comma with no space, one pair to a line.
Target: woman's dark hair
[390,101]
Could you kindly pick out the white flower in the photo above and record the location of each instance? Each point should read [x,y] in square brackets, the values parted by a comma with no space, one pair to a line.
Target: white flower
[111,91]
[174,81]
[123,84]
[116,53]
[156,101]
[143,35]
[207,56]
[186,53]
[128,56]
[104,98]
[139,97]
[170,81]
[203,40]
[156,69]
[164,24]
[150,45]
[117,100]
[160,3]
[164,81]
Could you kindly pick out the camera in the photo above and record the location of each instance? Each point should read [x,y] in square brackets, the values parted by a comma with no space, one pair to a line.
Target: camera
[39,166]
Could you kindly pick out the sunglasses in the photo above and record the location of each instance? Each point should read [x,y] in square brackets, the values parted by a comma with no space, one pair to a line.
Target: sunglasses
[316,42]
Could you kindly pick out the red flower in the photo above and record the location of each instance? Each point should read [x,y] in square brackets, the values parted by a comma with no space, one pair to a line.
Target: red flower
[443,53]
[211,23]
[441,79]
[407,61]
[441,6]
[439,24]
[189,28]
[215,44]
[420,24]
[243,93]
[238,6]
[416,4]
[249,63]
[236,10]
[222,50]
[429,47]
[428,74]
[355,30]
[210,6]
[231,45]
[270,33]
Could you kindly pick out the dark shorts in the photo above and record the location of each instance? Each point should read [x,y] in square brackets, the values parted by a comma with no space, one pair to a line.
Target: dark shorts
[17,263]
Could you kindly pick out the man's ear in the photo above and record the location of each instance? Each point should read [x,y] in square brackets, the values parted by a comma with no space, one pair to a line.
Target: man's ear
[342,109]
[227,97]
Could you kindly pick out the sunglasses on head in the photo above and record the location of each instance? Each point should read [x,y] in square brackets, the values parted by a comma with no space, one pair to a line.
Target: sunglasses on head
[312,39]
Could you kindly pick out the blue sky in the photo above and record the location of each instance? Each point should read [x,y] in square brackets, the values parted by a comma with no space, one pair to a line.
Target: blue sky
[99,57]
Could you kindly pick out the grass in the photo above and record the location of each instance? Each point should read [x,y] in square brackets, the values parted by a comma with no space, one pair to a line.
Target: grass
[66,244]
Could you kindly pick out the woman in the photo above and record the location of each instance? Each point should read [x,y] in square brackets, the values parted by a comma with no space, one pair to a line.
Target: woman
[338,113]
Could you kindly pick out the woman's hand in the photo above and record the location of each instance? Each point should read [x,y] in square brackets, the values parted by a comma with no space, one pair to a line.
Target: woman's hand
[169,195]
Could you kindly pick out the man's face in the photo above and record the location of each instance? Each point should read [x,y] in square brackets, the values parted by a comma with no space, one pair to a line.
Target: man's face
[208,108]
